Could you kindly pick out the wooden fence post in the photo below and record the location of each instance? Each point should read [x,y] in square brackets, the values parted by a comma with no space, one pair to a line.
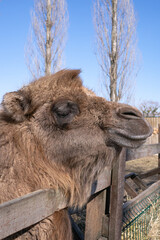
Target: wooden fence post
[158,153]
[96,220]
[94,216]
[116,200]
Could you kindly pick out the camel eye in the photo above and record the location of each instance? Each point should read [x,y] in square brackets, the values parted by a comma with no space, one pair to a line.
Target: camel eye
[64,112]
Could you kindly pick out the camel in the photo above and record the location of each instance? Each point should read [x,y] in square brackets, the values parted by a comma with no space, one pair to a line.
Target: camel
[55,133]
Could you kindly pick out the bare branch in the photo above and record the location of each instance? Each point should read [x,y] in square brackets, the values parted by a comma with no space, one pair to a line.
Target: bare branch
[150,109]
[115,27]
[47,37]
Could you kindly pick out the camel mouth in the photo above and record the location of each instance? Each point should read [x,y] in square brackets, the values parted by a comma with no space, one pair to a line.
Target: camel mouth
[123,138]
[124,134]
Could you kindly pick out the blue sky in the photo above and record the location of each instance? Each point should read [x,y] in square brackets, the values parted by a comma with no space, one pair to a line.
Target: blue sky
[79,51]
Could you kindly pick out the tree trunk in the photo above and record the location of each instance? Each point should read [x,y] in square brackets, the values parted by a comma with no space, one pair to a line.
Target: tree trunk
[113,57]
[48,39]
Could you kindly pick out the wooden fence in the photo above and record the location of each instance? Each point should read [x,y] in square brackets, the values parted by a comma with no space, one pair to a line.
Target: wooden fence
[103,211]
[154,122]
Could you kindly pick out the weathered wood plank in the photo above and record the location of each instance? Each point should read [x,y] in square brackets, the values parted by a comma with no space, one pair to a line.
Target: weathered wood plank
[105,226]
[130,191]
[142,195]
[102,238]
[150,173]
[143,151]
[139,183]
[116,200]
[104,180]
[94,216]
[25,211]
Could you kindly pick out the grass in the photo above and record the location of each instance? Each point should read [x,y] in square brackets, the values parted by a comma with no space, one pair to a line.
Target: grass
[143,165]
[154,225]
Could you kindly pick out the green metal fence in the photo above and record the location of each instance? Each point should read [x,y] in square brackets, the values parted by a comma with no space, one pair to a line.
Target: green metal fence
[137,219]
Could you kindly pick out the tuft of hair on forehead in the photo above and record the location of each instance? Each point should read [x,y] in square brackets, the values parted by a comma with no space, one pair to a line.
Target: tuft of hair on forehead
[65,78]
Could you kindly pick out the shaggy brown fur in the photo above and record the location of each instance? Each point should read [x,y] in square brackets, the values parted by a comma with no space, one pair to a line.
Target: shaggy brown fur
[54,133]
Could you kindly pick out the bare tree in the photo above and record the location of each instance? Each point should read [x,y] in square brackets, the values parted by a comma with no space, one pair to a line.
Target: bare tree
[150,109]
[115,27]
[47,35]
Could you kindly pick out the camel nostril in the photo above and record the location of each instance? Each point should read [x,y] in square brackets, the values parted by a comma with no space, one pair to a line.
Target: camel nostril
[129,113]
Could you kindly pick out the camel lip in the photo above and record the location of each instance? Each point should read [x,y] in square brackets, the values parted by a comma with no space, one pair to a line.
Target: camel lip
[124,134]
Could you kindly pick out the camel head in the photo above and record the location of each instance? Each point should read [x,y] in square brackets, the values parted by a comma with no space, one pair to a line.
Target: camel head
[70,121]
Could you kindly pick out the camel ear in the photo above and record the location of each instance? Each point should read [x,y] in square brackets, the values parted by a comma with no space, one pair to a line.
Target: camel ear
[16,105]
[69,78]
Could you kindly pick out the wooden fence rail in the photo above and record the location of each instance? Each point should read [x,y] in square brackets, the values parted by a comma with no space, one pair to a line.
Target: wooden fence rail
[25,211]
[141,196]
[143,151]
